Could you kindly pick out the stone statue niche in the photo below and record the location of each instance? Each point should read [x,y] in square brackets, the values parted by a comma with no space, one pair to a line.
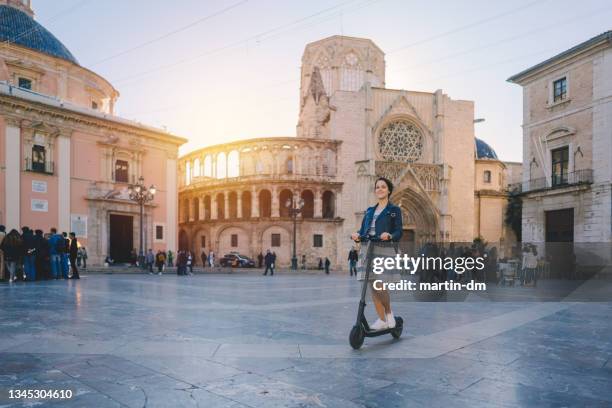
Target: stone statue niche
[315,112]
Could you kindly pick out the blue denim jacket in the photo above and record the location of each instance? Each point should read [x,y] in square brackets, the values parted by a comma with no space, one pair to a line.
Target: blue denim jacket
[389,220]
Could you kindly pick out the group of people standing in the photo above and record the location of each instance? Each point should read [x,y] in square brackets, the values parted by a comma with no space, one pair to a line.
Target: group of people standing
[32,255]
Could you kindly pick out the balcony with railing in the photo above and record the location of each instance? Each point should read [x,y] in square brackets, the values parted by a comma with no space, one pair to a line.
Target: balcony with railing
[557,181]
[39,167]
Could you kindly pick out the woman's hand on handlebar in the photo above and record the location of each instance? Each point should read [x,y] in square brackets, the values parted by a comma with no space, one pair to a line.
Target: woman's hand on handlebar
[385,236]
[355,236]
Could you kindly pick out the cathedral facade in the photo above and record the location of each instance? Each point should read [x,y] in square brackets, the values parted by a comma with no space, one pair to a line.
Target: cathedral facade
[351,129]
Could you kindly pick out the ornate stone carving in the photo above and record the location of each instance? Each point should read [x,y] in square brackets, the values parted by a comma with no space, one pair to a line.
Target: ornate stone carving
[401,141]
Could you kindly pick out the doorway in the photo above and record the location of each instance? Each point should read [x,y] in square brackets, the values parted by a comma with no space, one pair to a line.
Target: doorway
[121,237]
[407,242]
[560,242]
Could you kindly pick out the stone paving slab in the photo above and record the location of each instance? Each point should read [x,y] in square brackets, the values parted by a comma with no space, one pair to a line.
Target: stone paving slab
[251,341]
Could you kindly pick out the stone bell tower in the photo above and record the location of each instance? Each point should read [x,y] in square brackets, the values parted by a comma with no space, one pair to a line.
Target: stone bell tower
[335,64]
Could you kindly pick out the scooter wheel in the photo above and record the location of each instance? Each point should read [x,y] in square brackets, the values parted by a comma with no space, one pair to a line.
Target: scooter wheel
[356,337]
[399,327]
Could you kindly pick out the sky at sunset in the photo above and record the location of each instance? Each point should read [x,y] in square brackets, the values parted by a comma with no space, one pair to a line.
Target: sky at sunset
[217,71]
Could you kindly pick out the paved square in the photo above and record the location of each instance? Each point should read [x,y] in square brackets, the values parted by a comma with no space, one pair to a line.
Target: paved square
[282,341]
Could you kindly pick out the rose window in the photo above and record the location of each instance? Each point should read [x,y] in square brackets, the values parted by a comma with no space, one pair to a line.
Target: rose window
[400,141]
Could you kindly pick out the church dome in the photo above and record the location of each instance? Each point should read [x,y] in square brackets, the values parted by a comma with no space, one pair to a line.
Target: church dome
[483,150]
[17,27]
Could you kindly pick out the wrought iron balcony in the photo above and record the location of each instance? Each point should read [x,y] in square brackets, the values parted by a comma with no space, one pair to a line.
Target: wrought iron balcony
[39,167]
[578,177]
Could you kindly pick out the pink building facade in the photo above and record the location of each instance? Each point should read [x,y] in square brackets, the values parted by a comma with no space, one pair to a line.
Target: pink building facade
[66,160]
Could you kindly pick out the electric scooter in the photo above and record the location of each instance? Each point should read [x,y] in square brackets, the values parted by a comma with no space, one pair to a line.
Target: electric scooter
[361,329]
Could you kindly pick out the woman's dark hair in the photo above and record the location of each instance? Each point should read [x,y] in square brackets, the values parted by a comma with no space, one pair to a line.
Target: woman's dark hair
[387,182]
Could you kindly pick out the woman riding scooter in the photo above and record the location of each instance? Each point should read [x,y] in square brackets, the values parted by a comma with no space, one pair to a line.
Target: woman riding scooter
[382,222]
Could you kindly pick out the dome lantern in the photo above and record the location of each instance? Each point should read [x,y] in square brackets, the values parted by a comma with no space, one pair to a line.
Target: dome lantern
[23,5]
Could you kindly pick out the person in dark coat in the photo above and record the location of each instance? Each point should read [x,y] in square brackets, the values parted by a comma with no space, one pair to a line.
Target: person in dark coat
[269,259]
[204,259]
[42,256]
[327,264]
[30,250]
[353,257]
[12,246]
[260,259]
[73,253]
[65,256]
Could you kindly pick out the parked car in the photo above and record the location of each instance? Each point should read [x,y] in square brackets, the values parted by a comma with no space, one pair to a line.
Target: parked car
[237,261]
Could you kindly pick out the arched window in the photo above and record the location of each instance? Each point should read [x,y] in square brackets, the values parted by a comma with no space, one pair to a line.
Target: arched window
[487,176]
[308,210]
[220,206]
[283,198]
[329,205]
[121,171]
[233,164]
[221,165]
[196,168]
[208,166]
[265,203]
[207,208]
[246,204]
[289,166]
[233,205]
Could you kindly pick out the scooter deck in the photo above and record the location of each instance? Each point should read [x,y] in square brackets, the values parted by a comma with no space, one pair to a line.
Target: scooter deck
[376,333]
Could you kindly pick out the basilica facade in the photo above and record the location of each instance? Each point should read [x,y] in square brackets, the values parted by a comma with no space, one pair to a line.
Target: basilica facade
[66,159]
[351,129]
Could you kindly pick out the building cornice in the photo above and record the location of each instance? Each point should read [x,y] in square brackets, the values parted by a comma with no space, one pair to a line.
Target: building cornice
[15,107]
[579,51]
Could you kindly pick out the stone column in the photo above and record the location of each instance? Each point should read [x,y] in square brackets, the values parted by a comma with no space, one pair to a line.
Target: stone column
[63,190]
[239,204]
[275,207]
[171,204]
[213,206]
[12,192]
[296,200]
[318,204]
[254,203]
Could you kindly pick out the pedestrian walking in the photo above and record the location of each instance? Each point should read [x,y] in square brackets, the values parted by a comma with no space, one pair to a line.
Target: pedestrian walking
[150,260]
[29,259]
[84,256]
[74,251]
[190,262]
[170,258]
[269,260]
[353,256]
[211,259]
[160,261]
[204,258]
[303,262]
[327,264]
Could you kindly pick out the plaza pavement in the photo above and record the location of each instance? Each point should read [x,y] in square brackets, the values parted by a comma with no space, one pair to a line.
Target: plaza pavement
[244,340]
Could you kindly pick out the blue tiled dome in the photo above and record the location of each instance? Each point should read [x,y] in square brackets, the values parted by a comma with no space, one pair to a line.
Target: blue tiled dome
[483,150]
[16,27]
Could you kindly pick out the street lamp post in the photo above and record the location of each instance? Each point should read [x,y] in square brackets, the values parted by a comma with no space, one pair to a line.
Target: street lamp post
[294,209]
[140,194]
